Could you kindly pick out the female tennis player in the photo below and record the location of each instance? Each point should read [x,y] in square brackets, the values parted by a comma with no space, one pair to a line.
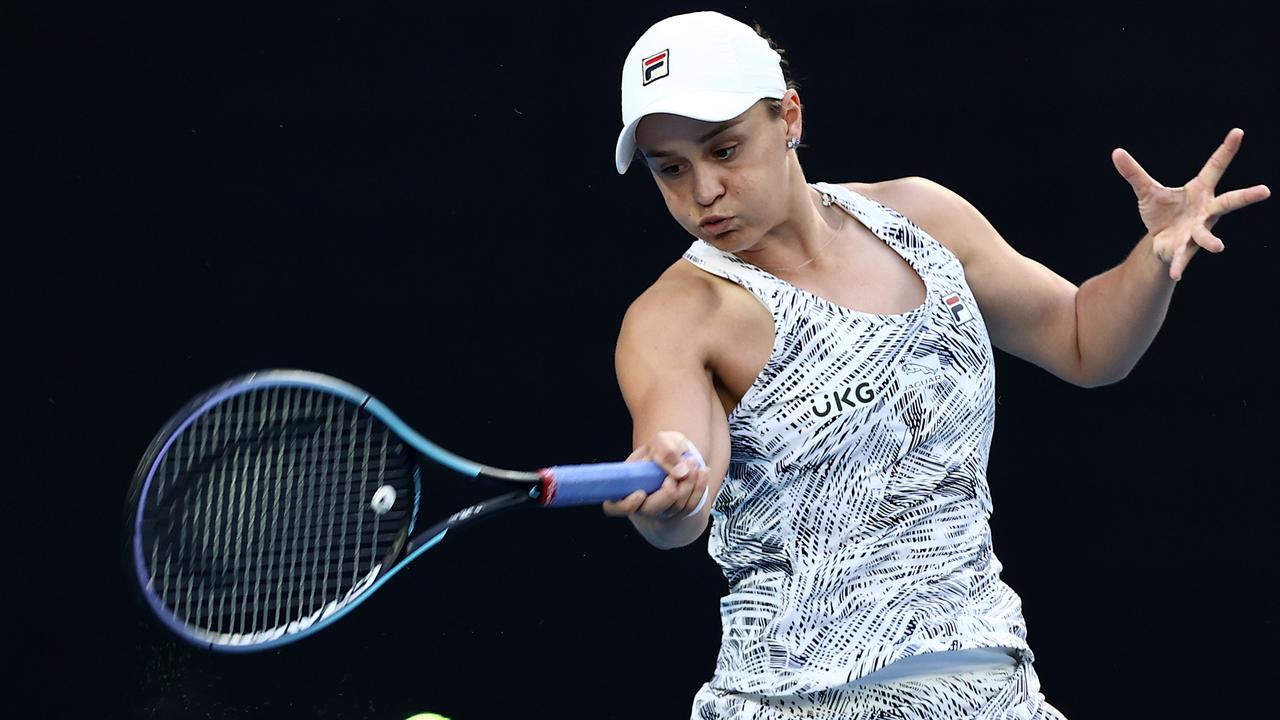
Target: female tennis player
[826,347]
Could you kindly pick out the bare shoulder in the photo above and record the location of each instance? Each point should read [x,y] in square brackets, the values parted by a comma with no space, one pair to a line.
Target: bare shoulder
[704,314]
[671,314]
[930,205]
[682,294]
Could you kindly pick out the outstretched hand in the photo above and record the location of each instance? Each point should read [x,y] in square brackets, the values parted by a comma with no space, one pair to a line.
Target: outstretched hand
[1179,219]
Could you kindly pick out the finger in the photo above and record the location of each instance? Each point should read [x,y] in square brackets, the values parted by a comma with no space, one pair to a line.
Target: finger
[660,500]
[625,506]
[1217,164]
[668,453]
[682,495]
[630,503]
[683,470]
[684,490]
[689,495]
[1207,240]
[1130,170]
[1181,257]
[697,492]
[680,466]
[693,489]
[1236,199]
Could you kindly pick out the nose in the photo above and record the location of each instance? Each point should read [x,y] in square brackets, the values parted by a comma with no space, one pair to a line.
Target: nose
[708,186]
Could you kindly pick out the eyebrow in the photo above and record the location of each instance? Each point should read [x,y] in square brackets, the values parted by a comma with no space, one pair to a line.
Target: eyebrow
[705,137]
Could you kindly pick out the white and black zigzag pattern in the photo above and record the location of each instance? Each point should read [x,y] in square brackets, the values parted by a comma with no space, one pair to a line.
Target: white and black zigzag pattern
[852,523]
[1010,692]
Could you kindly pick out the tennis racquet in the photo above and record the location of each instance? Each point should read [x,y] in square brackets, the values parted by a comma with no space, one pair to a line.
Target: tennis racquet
[272,505]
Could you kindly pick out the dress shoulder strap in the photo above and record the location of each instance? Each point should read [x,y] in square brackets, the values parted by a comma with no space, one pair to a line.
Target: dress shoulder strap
[922,250]
[768,289]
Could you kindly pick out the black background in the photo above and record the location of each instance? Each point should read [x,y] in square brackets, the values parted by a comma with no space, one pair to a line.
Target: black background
[421,200]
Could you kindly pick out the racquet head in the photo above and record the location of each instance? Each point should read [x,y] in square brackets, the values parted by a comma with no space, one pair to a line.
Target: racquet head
[269,507]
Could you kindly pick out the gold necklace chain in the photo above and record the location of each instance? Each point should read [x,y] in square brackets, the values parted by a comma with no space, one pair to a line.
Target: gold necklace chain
[827,200]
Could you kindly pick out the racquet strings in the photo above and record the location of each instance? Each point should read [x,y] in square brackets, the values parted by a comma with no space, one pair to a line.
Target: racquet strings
[259,518]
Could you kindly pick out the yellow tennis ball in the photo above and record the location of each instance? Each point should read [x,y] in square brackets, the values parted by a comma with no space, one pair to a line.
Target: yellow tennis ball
[427,716]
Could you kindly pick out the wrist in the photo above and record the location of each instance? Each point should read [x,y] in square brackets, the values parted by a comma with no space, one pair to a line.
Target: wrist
[669,533]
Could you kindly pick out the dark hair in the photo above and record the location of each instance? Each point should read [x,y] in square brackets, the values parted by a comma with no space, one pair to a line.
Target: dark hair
[776,105]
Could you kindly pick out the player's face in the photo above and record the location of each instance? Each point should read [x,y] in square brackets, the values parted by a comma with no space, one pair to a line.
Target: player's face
[736,170]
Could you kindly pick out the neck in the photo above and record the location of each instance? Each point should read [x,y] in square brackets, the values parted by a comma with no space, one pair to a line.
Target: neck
[796,244]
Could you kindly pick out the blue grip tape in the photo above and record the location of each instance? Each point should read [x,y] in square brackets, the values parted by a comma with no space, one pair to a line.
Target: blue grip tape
[592,483]
[597,482]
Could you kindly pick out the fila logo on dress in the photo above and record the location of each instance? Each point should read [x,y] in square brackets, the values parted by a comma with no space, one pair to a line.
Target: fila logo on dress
[655,66]
[957,308]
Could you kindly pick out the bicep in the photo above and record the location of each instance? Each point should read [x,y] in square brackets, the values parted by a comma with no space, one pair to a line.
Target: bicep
[1029,310]
[667,386]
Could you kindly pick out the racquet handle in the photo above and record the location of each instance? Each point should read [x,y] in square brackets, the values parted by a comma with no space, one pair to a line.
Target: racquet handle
[566,485]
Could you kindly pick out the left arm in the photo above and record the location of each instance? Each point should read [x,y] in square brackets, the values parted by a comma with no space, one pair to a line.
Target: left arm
[1094,334]
[1089,335]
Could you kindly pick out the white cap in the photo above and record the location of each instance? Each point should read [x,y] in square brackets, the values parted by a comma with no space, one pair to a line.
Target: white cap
[701,65]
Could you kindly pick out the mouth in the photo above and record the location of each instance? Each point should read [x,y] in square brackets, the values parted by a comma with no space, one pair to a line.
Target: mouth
[715,224]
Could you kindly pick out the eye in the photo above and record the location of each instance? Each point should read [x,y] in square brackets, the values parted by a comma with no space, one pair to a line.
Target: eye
[671,170]
[725,153]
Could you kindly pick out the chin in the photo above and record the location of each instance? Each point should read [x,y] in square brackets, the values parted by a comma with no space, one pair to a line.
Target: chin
[716,240]
[731,242]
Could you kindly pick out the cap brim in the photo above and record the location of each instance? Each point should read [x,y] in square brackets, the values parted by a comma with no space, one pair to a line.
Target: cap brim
[705,106]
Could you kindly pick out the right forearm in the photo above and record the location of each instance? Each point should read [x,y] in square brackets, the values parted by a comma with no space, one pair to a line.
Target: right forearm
[669,534]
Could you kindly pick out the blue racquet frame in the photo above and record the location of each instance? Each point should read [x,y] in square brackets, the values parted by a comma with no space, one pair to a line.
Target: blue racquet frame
[559,486]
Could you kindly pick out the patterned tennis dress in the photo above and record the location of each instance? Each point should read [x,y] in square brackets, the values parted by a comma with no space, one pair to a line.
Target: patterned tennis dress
[852,522]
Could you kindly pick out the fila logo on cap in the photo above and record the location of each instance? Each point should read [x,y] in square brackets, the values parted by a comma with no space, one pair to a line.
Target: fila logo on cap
[655,66]
[957,308]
